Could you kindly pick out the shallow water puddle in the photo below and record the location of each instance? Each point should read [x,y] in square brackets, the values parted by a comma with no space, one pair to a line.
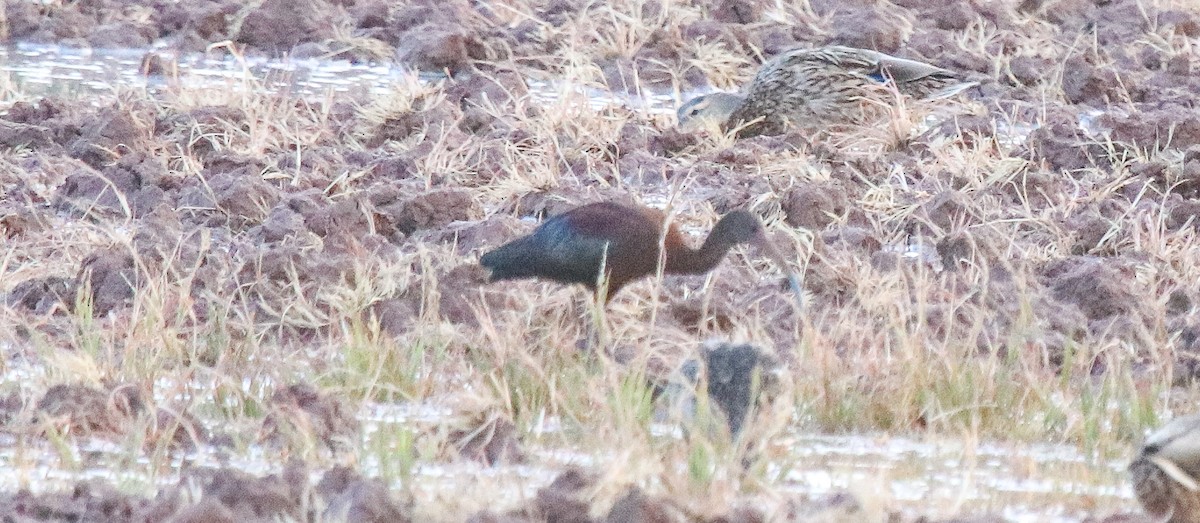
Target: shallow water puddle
[1025,482]
[935,476]
[47,70]
[39,70]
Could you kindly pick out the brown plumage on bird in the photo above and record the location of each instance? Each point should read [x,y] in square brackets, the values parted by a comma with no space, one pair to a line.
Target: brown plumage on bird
[818,88]
[624,240]
[1166,473]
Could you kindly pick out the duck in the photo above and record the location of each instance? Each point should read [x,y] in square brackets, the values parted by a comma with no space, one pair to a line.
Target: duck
[1166,472]
[817,88]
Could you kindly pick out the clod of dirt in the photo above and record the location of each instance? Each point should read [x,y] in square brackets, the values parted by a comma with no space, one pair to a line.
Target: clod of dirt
[1099,287]
[301,411]
[1181,213]
[396,315]
[948,210]
[160,237]
[960,249]
[670,142]
[253,499]
[346,218]
[636,507]
[10,406]
[1186,332]
[1029,70]
[135,183]
[632,137]
[1181,22]
[814,206]
[282,223]
[208,510]
[25,136]
[833,275]
[431,210]
[967,128]
[1063,146]
[851,238]
[1114,518]
[178,429]
[492,517]
[645,168]
[436,121]
[1177,125]
[478,121]
[458,295]
[350,497]
[104,137]
[432,47]
[875,28]
[215,121]
[83,410]
[1178,302]
[278,25]
[838,506]
[111,275]
[1182,180]
[122,34]
[480,235]
[953,16]
[489,439]
[621,74]
[563,500]
[737,11]
[238,199]
[1089,228]
[92,500]
[987,518]
[693,317]
[476,88]
[41,295]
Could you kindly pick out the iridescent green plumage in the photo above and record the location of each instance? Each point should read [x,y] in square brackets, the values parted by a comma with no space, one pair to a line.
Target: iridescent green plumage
[817,88]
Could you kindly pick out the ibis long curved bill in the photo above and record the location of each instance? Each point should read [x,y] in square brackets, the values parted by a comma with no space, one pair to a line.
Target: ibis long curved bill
[769,249]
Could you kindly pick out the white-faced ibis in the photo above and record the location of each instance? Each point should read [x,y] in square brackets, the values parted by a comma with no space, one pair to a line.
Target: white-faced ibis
[817,88]
[573,246]
[1166,473]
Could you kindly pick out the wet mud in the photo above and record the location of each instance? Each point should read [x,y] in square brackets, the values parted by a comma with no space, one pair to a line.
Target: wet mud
[258,223]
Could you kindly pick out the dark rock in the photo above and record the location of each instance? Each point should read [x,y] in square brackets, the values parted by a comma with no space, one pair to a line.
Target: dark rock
[730,371]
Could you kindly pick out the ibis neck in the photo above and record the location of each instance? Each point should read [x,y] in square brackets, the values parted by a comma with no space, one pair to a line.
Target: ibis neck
[698,261]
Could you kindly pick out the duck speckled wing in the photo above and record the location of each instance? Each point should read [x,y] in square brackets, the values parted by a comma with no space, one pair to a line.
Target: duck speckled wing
[818,88]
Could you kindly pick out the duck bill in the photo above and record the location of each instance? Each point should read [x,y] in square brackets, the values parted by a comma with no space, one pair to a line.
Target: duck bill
[769,250]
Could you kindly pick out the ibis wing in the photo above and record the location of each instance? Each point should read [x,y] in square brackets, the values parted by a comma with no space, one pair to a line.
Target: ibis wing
[570,254]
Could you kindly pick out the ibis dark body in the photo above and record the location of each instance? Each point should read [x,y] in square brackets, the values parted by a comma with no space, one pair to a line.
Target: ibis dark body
[571,247]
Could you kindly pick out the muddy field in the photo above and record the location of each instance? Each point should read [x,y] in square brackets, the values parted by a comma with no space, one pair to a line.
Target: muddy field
[235,304]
